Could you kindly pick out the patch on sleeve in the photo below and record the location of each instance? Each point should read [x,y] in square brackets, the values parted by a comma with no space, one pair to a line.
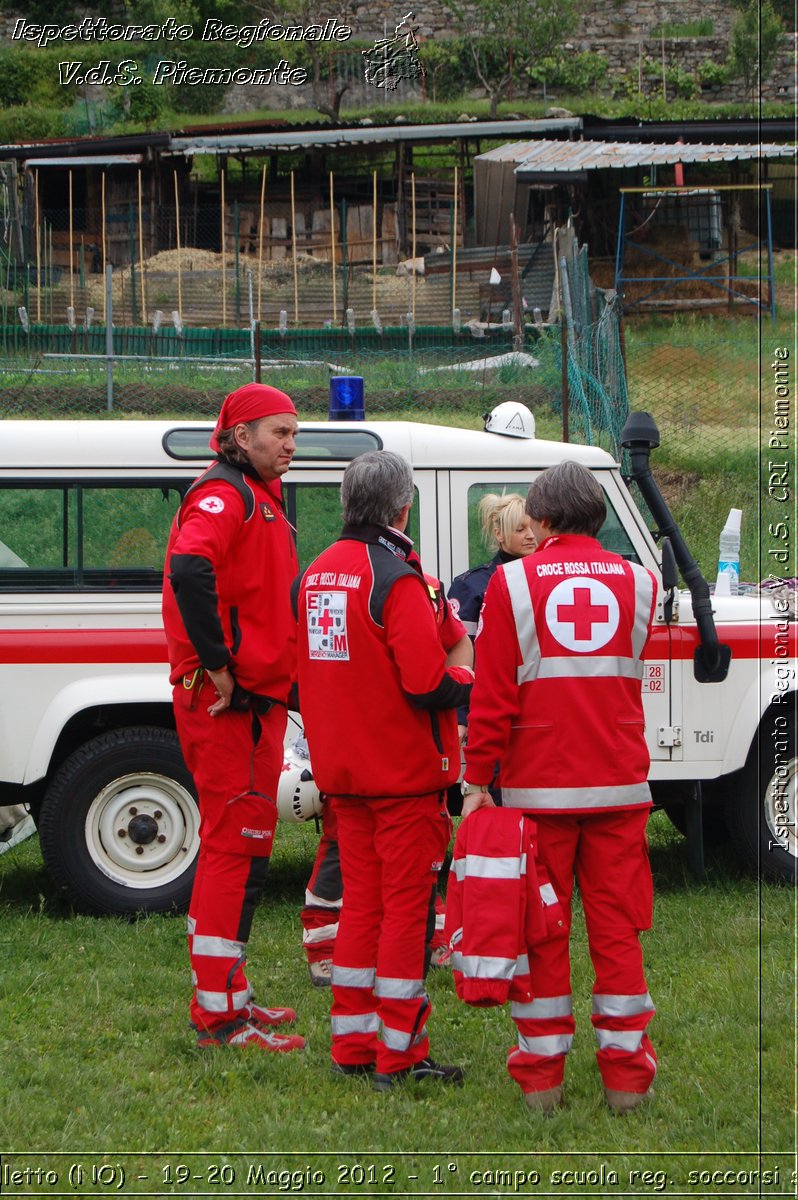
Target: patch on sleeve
[211,504]
[326,615]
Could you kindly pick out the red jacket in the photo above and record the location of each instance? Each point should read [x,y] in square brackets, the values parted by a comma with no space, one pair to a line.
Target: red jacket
[378,702]
[557,698]
[230,563]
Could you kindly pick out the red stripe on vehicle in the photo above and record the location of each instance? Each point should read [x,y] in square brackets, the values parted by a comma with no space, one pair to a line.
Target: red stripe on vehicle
[775,640]
[82,646]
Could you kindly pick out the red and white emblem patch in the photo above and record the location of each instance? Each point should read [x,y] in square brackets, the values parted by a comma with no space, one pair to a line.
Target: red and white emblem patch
[211,504]
[326,615]
[582,614]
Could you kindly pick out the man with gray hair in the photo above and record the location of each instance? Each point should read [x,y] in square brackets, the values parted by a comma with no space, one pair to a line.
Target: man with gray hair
[379,707]
[557,702]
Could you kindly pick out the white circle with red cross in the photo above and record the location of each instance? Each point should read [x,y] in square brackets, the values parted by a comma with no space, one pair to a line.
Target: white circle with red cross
[212,504]
[582,614]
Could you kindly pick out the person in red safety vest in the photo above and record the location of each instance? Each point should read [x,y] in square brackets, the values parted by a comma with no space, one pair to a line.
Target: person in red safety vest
[557,702]
[324,891]
[379,710]
[231,639]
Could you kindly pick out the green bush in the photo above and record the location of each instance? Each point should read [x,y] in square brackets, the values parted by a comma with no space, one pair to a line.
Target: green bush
[575,73]
[684,83]
[701,27]
[28,122]
[713,74]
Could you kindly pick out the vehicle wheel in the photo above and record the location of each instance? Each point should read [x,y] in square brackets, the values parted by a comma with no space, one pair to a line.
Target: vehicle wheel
[762,813]
[119,824]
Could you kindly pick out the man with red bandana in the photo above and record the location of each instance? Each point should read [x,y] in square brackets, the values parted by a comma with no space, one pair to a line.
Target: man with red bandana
[231,638]
[557,703]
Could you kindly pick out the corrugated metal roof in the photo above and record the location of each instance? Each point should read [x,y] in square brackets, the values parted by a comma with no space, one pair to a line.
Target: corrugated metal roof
[547,157]
[86,160]
[298,139]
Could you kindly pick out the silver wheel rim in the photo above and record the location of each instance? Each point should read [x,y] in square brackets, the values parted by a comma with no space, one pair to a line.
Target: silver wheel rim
[781,805]
[142,830]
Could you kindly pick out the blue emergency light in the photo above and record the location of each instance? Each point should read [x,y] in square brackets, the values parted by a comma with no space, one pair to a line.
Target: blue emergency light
[346,398]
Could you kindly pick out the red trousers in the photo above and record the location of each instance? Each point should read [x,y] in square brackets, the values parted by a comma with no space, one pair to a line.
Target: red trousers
[324,897]
[235,760]
[608,854]
[391,852]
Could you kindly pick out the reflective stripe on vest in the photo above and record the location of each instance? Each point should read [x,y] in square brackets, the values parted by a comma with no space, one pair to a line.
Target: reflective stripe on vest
[614,795]
[592,666]
[644,598]
[362,977]
[542,1009]
[484,966]
[622,1006]
[359,1023]
[547,1046]
[398,989]
[482,866]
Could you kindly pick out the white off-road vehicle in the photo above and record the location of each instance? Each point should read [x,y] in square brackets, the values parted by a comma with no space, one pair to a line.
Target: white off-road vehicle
[87,736]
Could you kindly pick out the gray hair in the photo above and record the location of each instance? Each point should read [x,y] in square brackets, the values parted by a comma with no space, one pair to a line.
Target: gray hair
[569,498]
[375,488]
[229,449]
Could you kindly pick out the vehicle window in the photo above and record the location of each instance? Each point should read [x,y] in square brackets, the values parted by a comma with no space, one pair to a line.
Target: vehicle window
[314,509]
[612,534]
[78,537]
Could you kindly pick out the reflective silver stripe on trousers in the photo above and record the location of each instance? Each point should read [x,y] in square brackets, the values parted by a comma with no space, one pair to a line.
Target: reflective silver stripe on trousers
[398,989]
[222,1002]
[548,1046]
[576,797]
[314,901]
[217,947]
[359,1023]
[588,667]
[543,1008]
[619,1039]
[480,966]
[362,977]
[524,618]
[398,1039]
[522,964]
[644,596]
[622,1006]
[482,866]
[548,895]
[191,925]
[324,933]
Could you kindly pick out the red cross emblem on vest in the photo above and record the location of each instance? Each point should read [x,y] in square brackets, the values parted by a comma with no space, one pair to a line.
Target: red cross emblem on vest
[582,614]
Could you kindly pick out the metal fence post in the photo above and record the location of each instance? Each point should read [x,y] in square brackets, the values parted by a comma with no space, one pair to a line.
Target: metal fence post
[109,339]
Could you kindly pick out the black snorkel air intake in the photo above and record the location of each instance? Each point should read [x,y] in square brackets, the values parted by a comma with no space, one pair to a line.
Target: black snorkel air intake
[640,436]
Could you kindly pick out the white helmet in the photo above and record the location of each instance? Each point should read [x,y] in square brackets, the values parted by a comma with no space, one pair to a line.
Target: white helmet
[298,797]
[511,419]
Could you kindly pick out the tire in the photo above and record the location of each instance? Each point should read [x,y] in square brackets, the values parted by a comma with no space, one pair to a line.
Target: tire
[119,824]
[761,814]
[673,797]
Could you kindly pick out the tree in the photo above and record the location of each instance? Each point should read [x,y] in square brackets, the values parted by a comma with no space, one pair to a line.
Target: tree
[327,91]
[755,39]
[507,37]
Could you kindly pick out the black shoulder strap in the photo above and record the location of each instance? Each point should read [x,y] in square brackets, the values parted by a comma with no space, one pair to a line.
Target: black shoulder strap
[386,569]
[229,474]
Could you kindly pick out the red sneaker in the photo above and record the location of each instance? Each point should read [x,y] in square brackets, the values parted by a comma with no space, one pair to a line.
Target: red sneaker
[241,1033]
[268,1018]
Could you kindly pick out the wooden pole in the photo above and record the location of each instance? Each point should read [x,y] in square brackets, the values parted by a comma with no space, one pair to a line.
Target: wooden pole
[224,250]
[413,249]
[141,257]
[260,240]
[71,264]
[332,251]
[177,243]
[38,234]
[454,247]
[102,239]
[293,252]
[374,245]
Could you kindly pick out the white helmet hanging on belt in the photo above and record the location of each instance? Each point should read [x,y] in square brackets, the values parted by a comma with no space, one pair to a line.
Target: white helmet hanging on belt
[511,419]
[298,797]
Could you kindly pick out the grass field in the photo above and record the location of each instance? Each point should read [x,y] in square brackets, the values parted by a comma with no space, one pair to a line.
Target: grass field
[100,1067]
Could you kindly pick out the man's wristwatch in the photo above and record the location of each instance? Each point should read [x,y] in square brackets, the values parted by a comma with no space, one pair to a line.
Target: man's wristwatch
[467,788]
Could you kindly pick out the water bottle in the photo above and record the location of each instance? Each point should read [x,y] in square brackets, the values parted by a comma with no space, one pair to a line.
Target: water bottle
[729,555]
